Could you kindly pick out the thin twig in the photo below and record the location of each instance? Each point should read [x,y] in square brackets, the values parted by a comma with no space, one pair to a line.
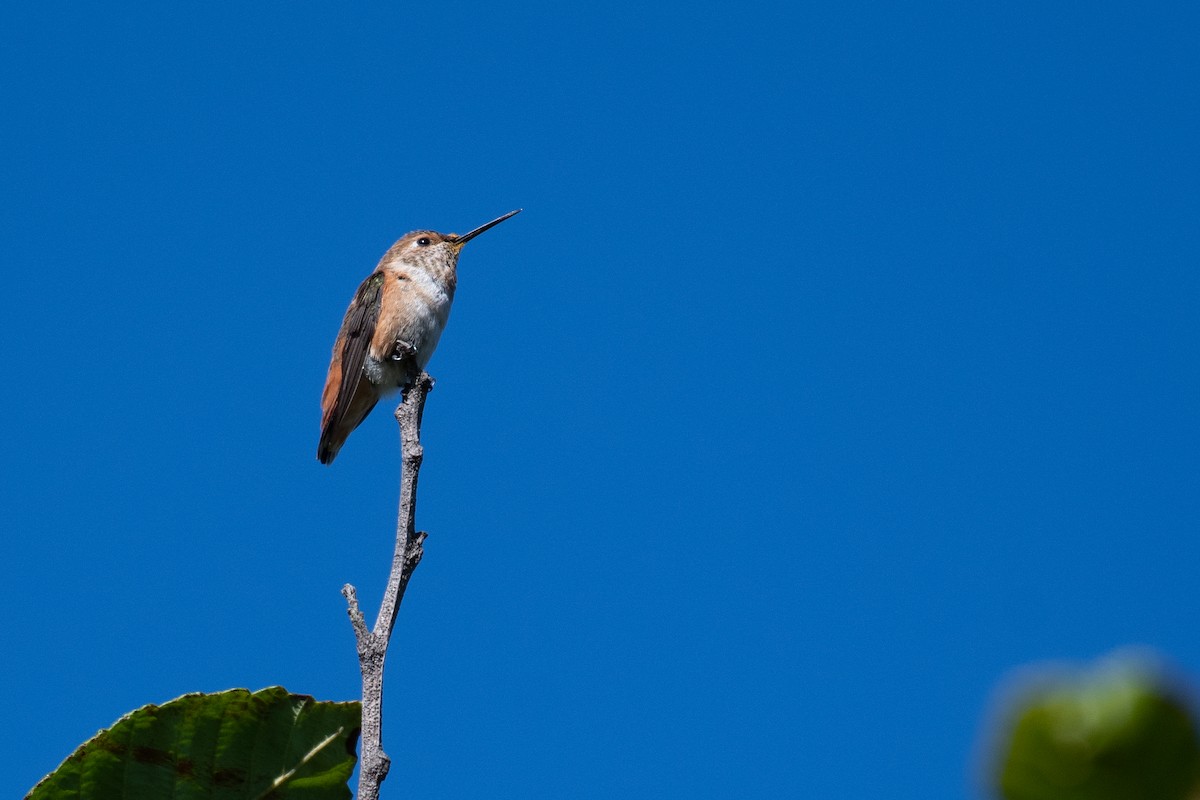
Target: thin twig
[373,644]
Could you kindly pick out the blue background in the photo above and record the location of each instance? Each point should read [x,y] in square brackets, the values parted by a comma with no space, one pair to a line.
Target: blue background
[843,360]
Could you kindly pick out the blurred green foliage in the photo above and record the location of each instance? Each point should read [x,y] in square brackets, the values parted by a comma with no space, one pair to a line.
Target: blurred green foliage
[1121,731]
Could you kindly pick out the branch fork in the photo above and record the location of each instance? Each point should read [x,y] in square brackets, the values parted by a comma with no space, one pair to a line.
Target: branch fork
[373,643]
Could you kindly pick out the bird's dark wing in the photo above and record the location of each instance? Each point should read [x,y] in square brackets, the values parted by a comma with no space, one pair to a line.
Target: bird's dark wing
[355,338]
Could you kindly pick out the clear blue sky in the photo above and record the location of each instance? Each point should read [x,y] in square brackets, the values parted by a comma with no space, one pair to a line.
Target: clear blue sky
[843,360]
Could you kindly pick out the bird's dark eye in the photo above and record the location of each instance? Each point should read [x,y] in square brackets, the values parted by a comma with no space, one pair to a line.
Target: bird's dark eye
[423,241]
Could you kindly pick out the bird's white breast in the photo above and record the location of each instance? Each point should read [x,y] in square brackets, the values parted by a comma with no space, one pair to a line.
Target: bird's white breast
[418,318]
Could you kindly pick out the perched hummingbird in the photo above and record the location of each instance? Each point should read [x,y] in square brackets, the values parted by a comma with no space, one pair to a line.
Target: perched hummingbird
[390,330]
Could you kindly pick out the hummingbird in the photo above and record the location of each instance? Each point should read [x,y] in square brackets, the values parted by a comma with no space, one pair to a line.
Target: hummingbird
[391,329]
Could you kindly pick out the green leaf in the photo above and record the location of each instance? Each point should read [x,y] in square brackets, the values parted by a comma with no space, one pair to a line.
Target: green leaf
[230,745]
[1119,733]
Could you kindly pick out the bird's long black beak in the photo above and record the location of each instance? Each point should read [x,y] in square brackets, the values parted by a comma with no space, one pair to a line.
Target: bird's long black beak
[466,237]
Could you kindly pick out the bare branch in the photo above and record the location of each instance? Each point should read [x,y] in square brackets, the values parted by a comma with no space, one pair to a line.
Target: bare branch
[373,644]
[356,616]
